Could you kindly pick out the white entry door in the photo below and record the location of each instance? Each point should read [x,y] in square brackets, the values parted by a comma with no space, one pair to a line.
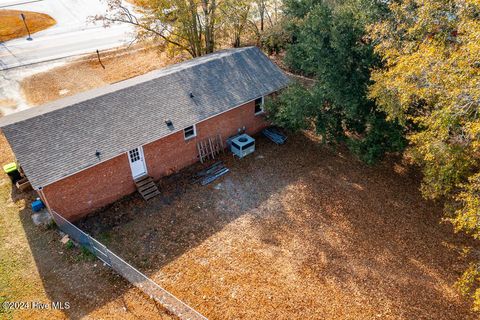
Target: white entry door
[137,162]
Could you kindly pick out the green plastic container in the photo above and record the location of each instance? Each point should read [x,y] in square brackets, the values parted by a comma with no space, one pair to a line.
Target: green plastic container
[10,167]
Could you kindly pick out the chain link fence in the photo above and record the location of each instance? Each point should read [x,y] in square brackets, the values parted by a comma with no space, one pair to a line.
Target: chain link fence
[138,279]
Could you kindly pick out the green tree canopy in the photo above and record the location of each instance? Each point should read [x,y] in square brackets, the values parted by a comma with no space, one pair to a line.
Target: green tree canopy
[329,43]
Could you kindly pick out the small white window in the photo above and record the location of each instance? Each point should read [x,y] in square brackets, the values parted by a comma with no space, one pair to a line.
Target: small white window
[190,132]
[259,102]
[134,155]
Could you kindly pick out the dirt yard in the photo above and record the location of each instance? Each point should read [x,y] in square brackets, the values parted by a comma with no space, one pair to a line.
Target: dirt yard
[12,26]
[298,231]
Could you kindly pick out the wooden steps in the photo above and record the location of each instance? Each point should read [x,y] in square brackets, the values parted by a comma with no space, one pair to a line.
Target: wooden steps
[147,187]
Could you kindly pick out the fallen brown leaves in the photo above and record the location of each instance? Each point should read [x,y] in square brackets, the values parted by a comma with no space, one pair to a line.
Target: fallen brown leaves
[295,232]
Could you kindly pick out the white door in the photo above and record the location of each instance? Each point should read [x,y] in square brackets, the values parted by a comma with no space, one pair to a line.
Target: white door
[137,162]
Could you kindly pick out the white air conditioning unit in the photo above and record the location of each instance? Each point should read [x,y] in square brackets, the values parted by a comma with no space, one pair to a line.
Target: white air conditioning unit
[242,145]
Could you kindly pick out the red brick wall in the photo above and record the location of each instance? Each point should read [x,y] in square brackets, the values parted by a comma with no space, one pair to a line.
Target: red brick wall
[91,189]
[173,152]
[96,187]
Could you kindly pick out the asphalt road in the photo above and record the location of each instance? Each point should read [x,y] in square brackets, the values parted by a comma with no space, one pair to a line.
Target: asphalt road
[72,35]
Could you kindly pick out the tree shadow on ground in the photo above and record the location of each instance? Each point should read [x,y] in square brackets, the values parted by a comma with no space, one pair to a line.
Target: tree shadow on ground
[368,230]
[364,229]
[70,274]
[183,216]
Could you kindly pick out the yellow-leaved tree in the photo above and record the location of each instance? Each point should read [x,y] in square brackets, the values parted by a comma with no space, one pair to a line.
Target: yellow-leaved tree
[431,83]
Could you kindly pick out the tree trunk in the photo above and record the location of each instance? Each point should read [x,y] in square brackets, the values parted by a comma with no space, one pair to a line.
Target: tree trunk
[195,33]
[209,10]
[261,10]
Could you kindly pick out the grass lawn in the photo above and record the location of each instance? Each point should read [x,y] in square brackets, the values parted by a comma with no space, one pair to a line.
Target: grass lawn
[12,26]
[87,73]
[19,276]
[36,267]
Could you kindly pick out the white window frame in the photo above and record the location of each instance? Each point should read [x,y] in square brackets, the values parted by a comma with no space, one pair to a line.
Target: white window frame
[262,105]
[194,132]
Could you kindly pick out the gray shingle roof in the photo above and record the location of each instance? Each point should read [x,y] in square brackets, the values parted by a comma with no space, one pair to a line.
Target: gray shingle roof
[60,138]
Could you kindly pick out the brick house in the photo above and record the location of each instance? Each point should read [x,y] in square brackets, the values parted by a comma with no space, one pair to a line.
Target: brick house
[83,152]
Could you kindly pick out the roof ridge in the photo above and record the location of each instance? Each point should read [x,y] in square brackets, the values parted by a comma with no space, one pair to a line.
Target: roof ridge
[61,139]
[70,101]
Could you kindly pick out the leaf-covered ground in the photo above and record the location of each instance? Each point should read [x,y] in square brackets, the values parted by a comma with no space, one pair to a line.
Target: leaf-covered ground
[295,232]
